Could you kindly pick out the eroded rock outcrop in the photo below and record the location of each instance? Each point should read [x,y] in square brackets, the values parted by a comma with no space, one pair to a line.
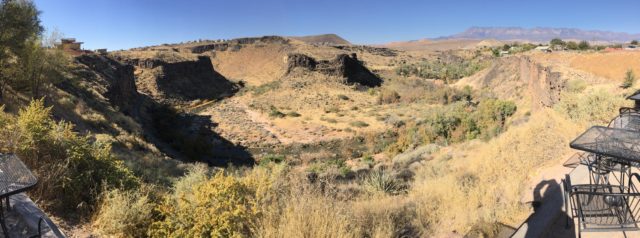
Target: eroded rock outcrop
[117,78]
[544,84]
[238,43]
[182,80]
[349,68]
[300,61]
[516,77]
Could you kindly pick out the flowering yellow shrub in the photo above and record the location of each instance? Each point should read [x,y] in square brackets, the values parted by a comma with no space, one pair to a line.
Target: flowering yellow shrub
[222,206]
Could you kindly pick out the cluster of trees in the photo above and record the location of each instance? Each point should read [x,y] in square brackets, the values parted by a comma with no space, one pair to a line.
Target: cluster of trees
[457,122]
[513,48]
[438,69]
[26,64]
[570,45]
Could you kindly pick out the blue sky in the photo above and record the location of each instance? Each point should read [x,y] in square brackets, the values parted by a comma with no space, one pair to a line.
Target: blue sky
[122,24]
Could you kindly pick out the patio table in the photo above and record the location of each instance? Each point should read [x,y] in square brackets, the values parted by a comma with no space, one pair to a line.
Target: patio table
[15,178]
[621,144]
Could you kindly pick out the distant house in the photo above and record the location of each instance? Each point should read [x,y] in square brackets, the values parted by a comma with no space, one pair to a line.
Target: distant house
[70,44]
[504,52]
[543,48]
[101,51]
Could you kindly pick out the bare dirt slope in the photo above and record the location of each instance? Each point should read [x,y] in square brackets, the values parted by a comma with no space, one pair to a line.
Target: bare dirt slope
[441,45]
[254,64]
[611,65]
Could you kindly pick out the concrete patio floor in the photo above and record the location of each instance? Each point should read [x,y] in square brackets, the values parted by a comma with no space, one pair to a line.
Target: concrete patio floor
[23,218]
[550,218]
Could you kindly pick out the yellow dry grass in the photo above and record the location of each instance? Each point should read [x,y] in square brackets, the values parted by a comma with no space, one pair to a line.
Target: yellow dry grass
[253,64]
[608,65]
[612,65]
[483,182]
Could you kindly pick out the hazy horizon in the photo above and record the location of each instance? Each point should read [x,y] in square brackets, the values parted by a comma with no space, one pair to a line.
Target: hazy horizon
[122,24]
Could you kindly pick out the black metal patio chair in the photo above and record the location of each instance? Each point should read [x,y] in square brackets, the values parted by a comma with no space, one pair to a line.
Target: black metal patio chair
[603,207]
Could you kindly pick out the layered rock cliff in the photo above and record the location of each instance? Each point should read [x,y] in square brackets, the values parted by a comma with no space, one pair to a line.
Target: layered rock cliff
[182,80]
[117,78]
[343,66]
[518,78]
[544,84]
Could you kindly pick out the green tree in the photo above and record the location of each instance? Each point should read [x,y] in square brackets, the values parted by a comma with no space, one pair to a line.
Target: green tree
[634,42]
[572,45]
[557,41]
[38,66]
[443,124]
[584,45]
[19,23]
[629,79]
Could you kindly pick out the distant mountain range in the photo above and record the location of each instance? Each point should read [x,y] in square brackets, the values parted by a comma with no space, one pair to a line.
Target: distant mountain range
[541,34]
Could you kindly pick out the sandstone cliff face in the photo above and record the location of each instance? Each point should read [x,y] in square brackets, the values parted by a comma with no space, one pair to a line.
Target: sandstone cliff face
[117,78]
[544,84]
[343,66]
[520,77]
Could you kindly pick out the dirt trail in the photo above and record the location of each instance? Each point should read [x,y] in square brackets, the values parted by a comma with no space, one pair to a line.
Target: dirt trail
[235,123]
[260,119]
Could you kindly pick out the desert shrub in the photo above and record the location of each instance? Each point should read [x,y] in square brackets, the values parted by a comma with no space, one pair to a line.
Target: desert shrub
[447,69]
[222,206]
[271,159]
[384,216]
[455,122]
[73,171]
[367,159]
[629,79]
[423,91]
[267,87]
[576,85]
[594,106]
[381,181]
[124,214]
[293,114]
[418,154]
[492,115]
[388,97]
[329,120]
[275,113]
[343,97]
[308,214]
[359,124]
[332,109]
[9,134]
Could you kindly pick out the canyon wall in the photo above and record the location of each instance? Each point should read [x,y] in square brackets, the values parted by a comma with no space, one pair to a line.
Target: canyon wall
[544,84]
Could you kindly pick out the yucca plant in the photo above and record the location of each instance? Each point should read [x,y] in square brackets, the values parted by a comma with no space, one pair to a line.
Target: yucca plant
[381,181]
